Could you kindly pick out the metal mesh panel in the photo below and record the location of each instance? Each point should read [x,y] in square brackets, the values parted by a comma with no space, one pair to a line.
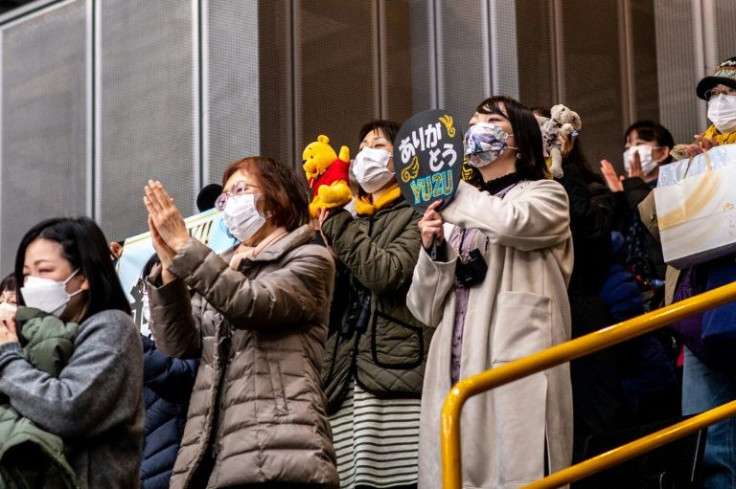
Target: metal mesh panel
[464,57]
[146,108]
[422,55]
[677,75]
[336,71]
[396,89]
[275,61]
[725,19]
[504,69]
[646,90]
[592,75]
[44,121]
[535,46]
[232,83]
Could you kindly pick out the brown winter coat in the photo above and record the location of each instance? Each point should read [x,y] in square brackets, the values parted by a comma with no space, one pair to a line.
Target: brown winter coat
[257,407]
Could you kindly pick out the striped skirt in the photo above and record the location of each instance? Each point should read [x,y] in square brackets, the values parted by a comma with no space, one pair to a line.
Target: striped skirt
[376,440]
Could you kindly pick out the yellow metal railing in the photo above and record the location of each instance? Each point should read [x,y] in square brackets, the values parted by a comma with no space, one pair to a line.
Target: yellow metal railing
[635,448]
[564,352]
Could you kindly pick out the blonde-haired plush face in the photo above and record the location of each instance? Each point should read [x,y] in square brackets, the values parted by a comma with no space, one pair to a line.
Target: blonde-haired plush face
[317,156]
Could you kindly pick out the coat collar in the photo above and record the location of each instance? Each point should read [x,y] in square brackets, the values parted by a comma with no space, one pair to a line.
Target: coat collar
[300,236]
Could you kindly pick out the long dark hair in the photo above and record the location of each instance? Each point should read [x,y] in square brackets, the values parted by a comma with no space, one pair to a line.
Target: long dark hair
[530,165]
[84,245]
[578,163]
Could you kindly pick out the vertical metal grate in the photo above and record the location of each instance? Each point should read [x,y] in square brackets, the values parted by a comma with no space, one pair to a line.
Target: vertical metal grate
[232,85]
[676,69]
[44,121]
[464,57]
[397,61]
[592,75]
[146,108]
[535,42]
[335,69]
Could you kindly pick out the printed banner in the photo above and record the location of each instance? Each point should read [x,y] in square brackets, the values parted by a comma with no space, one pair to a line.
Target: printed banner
[428,158]
[208,227]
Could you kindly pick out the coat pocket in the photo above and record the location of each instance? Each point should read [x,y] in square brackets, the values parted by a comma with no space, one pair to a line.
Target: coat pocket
[396,344]
[523,326]
[520,423]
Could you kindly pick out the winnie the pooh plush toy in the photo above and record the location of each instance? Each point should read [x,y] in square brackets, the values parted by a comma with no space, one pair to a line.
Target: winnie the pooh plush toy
[327,175]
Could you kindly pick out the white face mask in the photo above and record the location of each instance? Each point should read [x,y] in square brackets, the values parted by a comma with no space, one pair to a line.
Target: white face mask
[645,158]
[242,217]
[370,168]
[722,112]
[47,295]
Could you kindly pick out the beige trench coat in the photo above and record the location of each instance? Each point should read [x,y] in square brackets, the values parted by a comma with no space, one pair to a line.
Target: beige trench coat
[520,308]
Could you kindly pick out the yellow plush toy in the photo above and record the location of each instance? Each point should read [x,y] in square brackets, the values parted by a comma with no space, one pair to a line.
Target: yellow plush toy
[327,175]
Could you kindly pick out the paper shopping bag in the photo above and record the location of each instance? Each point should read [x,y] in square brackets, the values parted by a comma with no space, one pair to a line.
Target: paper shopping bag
[697,214]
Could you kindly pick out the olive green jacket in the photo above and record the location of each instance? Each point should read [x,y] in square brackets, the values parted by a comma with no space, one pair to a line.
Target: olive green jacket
[30,456]
[388,356]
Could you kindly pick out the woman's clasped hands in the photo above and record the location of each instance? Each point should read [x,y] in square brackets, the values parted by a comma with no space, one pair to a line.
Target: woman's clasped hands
[168,231]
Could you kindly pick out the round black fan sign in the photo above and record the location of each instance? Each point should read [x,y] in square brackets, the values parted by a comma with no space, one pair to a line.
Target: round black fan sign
[428,158]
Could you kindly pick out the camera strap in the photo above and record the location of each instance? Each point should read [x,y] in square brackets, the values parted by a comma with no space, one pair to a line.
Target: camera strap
[459,249]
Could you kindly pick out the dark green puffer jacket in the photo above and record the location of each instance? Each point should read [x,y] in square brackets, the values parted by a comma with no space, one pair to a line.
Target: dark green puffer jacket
[388,356]
[30,456]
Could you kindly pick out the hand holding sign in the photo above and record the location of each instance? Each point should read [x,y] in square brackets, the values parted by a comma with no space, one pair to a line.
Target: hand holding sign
[428,158]
[430,226]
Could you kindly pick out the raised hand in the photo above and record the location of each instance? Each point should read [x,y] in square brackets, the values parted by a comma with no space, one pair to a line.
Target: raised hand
[609,175]
[8,333]
[323,215]
[705,143]
[430,226]
[635,166]
[164,217]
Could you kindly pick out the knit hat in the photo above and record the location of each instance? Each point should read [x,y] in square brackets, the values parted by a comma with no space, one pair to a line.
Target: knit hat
[724,74]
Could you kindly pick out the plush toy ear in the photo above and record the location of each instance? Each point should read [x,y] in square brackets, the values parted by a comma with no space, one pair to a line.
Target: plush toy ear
[323,139]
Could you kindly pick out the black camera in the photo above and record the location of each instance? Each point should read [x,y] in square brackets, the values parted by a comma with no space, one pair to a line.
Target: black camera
[358,315]
[472,271]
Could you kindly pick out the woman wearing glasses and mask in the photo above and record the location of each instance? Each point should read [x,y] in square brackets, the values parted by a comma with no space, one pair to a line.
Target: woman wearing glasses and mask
[374,364]
[257,318]
[78,374]
[496,293]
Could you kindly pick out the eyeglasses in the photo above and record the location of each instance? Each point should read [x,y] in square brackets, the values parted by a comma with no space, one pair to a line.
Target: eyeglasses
[718,91]
[238,188]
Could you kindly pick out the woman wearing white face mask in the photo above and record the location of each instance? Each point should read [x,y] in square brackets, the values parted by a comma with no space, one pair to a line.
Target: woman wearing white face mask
[708,377]
[719,90]
[92,399]
[374,363]
[653,141]
[258,320]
